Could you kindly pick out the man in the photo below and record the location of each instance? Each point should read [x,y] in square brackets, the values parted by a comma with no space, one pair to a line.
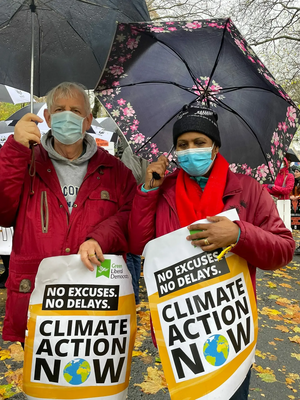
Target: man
[73,198]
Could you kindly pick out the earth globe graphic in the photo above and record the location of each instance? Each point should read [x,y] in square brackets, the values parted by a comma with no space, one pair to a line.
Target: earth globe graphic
[216,350]
[77,371]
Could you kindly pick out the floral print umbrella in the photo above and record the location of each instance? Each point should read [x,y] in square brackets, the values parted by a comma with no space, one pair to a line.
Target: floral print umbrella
[154,69]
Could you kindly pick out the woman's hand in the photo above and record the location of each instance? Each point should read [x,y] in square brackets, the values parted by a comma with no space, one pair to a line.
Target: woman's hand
[221,232]
[159,167]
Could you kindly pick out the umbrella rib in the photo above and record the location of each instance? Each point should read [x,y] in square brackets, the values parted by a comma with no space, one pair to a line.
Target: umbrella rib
[218,55]
[154,82]
[46,3]
[11,17]
[232,89]
[178,55]
[114,8]
[147,141]
[226,107]
[98,5]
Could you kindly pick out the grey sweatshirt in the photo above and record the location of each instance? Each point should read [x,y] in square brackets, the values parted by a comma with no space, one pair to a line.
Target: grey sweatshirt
[70,173]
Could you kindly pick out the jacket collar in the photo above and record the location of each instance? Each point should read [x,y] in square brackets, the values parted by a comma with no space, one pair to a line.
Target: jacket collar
[100,159]
[232,187]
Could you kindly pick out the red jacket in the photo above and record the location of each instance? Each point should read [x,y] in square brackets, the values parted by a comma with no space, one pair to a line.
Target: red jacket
[284,183]
[43,226]
[264,241]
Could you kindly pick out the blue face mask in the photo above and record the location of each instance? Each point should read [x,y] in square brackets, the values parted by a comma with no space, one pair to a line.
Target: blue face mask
[66,127]
[195,162]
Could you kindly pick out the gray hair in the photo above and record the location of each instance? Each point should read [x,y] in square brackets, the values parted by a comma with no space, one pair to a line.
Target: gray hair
[68,89]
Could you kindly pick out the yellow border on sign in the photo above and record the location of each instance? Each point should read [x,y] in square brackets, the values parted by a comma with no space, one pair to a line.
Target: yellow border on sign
[204,384]
[43,390]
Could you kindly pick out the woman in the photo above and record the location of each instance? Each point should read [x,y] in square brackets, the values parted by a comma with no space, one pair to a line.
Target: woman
[295,205]
[202,187]
[283,184]
[295,200]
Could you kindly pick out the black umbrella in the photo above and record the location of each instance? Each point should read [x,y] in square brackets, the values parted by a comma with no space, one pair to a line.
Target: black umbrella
[292,156]
[62,40]
[156,68]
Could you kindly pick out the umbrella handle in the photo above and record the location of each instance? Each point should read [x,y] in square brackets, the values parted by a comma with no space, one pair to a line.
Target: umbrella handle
[156,176]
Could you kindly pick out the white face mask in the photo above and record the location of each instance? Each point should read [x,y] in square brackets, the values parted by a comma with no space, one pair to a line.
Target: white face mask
[66,127]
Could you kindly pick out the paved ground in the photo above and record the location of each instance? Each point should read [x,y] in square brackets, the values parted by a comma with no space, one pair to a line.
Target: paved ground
[275,376]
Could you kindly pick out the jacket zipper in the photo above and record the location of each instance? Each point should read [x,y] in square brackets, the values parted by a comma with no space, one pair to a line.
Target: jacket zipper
[44,212]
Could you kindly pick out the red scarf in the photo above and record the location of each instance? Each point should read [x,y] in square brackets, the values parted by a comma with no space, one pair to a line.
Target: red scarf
[192,203]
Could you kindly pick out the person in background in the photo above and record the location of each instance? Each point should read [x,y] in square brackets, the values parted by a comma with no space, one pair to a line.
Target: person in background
[280,191]
[283,184]
[74,198]
[6,237]
[202,187]
[3,277]
[138,166]
[295,204]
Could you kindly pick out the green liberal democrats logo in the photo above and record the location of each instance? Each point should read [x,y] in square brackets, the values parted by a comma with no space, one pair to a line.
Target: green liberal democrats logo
[104,269]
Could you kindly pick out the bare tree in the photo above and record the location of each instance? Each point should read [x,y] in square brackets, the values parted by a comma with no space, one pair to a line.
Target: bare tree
[182,10]
[272,28]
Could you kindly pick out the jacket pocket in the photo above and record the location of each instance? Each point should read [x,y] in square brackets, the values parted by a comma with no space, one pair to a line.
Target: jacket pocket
[44,212]
[100,205]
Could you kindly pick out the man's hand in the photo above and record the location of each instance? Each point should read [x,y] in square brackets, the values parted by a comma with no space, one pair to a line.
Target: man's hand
[221,232]
[26,130]
[159,167]
[90,252]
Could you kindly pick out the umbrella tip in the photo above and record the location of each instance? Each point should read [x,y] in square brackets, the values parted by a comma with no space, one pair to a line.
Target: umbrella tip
[32,6]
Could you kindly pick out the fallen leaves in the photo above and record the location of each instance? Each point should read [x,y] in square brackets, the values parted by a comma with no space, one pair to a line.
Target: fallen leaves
[12,380]
[282,328]
[269,311]
[16,351]
[5,354]
[295,339]
[286,285]
[268,355]
[281,306]
[154,381]
[15,378]
[266,375]
[143,328]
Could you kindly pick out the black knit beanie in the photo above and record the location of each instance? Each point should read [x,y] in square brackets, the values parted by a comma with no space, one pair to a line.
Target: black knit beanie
[197,118]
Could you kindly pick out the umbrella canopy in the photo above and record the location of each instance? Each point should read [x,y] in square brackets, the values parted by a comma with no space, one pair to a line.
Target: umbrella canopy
[5,128]
[154,69]
[5,132]
[38,109]
[9,94]
[71,39]
[292,156]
